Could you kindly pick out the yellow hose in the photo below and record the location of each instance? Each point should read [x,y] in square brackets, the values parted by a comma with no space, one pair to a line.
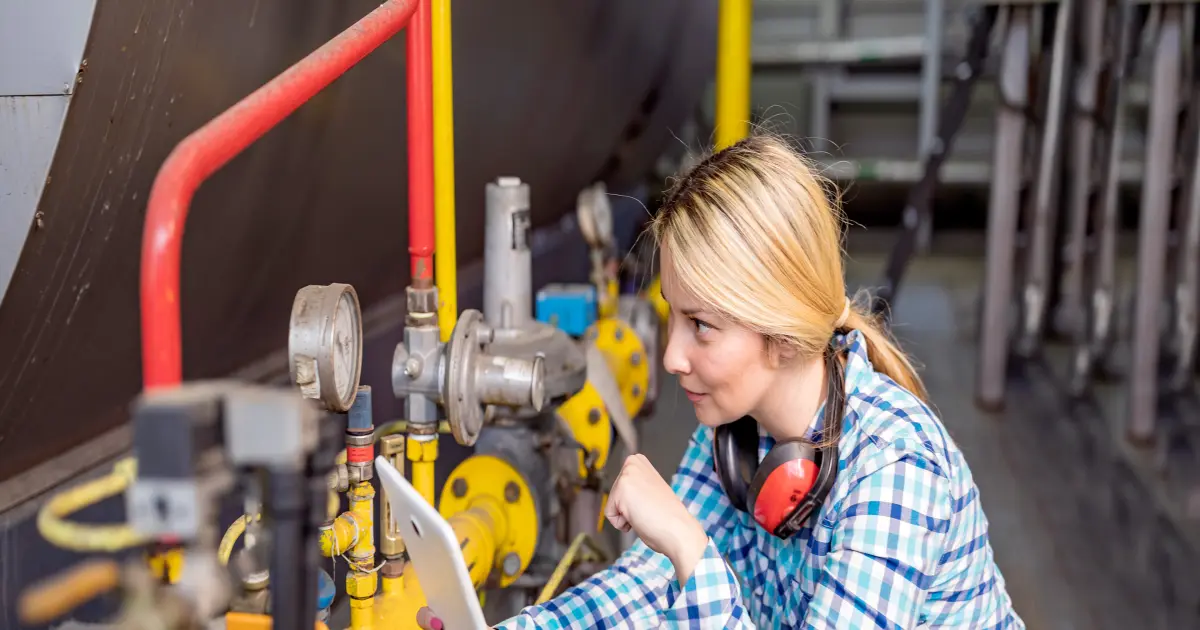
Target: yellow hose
[733,71]
[54,527]
[445,260]
[560,571]
[61,594]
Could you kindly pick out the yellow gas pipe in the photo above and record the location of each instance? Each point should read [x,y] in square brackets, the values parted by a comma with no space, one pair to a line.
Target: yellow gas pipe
[361,581]
[445,258]
[733,71]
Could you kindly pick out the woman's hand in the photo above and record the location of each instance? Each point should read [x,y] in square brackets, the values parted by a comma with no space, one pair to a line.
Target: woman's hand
[641,500]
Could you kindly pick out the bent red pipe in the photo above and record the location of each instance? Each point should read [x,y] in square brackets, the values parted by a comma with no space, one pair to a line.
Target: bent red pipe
[212,146]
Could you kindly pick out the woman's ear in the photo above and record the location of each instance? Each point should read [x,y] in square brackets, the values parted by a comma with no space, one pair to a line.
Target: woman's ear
[779,352]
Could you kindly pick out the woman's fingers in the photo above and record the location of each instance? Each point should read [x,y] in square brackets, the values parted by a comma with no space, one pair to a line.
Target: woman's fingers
[427,620]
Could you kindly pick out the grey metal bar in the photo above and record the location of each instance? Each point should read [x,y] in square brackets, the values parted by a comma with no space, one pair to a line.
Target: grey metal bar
[1152,229]
[829,27]
[931,98]
[1122,30]
[1187,276]
[1003,211]
[1045,192]
[1069,318]
[835,51]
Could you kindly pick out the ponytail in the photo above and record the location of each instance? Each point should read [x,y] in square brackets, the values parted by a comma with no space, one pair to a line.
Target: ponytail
[885,353]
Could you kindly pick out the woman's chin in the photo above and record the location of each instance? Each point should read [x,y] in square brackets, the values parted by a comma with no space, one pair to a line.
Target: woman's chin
[711,418]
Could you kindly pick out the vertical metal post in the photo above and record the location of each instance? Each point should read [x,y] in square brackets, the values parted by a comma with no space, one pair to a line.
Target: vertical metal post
[829,26]
[508,266]
[1094,349]
[1003,210]
[931,83]
[1045,192]
[1069,319]
[1187,277]
[1152,228]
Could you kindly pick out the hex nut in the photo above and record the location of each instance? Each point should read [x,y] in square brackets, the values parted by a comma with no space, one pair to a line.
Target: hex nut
[459,487]
[512,492]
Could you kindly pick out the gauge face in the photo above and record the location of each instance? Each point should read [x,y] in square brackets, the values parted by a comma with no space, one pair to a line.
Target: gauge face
[345,346]
[325,344]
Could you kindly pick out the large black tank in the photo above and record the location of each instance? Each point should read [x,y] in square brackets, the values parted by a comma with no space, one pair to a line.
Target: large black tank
[557,93]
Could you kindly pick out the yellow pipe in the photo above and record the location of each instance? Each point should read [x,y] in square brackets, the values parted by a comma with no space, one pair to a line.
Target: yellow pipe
[445,260]
[54,527]
[560,571]
[235,531]
[422,454]
[57,596]
[362,582]
[340,536]
[733,71]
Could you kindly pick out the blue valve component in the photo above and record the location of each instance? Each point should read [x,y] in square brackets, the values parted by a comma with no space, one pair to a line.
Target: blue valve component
[570,307]
[325,590]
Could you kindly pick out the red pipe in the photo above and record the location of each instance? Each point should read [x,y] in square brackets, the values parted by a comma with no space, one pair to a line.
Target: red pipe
[212,146]
[420,146]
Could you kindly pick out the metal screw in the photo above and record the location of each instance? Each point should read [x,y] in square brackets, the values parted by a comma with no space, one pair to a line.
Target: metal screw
[636,359]
[620,334]
[459,487]
[637,391]
[512,564]
[594,416]
[512,492]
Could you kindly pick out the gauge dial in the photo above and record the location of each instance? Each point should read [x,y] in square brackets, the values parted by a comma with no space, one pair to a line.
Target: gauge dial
[325,344]
[345,354]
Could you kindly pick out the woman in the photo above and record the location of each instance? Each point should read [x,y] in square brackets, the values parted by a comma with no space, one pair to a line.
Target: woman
[764,340]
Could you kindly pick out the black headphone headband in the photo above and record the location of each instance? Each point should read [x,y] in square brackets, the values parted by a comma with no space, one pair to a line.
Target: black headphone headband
[735,453]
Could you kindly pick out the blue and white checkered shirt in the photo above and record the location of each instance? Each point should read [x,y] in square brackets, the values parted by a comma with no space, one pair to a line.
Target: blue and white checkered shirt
[901,541]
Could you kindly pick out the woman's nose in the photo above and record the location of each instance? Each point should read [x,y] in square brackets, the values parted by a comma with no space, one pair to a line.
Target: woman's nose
[674,358]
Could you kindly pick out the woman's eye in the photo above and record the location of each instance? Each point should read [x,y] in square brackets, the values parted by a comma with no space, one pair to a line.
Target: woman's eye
[701,327]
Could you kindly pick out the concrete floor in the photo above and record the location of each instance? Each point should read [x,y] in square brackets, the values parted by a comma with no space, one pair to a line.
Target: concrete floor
[1054,584]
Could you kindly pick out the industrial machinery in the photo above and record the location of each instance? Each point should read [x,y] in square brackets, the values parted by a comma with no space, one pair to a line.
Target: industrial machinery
[526,504]
[540,407]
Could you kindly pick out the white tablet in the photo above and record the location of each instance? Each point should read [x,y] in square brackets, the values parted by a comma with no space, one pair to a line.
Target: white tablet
[433,552]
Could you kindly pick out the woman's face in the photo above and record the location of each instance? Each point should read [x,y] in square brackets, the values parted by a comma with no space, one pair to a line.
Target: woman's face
[722,366]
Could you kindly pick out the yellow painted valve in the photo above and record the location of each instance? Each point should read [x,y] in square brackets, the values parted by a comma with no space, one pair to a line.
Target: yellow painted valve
[488,478]
[626,357]
[591,426]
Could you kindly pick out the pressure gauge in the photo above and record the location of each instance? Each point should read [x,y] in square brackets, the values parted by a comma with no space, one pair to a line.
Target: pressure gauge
[325,344]
[594,213]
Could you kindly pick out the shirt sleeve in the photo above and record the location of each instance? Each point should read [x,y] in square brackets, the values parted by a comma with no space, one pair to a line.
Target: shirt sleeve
[889,533]
[640,589]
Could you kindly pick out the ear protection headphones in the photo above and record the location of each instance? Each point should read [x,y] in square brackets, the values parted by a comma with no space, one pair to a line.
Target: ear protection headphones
[795,477]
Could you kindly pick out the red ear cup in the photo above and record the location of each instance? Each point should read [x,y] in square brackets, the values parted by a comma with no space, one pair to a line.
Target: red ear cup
[782,491]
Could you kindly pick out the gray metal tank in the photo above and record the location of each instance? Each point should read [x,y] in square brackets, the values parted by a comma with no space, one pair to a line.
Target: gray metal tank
[557,93]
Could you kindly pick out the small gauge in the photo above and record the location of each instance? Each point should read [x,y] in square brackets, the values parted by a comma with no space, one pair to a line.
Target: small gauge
[325,344]
[594,212]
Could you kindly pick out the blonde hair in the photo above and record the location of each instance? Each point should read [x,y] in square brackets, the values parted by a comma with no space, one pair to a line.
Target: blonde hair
[753,234]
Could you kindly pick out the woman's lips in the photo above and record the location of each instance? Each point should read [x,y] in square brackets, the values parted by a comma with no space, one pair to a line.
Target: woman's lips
[693,396]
